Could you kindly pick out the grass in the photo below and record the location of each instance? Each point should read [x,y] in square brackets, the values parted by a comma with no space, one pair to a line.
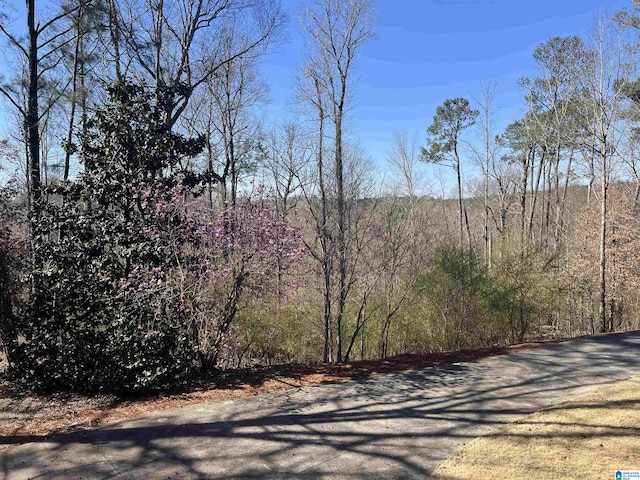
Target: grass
[589,437]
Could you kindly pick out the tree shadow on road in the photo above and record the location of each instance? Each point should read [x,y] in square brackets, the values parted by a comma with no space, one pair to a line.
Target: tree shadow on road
[393,426]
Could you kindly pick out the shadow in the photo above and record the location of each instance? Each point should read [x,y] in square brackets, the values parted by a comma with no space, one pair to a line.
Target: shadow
[400,425]
[354,370]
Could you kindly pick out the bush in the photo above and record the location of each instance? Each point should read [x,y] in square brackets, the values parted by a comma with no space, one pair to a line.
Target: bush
[134,282]
[527,290]
[12,250]
[470,306]
[457,286]
[102,315]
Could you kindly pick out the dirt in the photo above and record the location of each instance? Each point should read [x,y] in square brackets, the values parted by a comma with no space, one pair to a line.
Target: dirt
[27,416]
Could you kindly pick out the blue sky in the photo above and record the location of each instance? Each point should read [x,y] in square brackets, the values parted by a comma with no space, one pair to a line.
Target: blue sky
[429,50]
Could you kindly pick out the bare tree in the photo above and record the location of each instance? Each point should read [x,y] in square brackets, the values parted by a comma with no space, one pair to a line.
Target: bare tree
[361,204]
[87,28]
[400,250]
[235,91]
[41,53]
[611,65]
[185,43]
[336,30]
[486,155]
[311,94]
[552,99]
[404,158]
[287,157]
[522,152]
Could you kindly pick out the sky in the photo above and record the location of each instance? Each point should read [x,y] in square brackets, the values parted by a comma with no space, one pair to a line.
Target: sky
[427,51]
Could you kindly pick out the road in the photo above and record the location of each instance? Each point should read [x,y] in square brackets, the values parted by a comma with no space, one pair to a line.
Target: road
[392,426]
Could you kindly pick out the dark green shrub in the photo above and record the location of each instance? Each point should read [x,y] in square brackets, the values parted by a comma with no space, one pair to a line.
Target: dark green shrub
[102,314]
[12,250]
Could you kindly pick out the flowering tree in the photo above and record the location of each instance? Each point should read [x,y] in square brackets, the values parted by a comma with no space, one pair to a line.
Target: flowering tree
[246,250]
[135,284]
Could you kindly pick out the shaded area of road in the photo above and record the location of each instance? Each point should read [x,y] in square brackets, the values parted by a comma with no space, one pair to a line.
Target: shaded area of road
[389,426]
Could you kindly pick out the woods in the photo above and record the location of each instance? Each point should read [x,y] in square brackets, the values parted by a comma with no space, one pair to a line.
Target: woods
[153,225]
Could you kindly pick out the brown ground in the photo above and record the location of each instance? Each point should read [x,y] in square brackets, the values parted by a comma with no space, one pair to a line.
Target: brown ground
[589,437]
[27,417]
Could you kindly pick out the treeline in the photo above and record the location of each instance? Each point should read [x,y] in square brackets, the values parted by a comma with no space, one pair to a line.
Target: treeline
[173,233]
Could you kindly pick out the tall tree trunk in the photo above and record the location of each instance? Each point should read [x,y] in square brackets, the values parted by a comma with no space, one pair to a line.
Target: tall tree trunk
[561,207]
[460,207]
[603,240]
[592,178]
[33,120]
[114,32]
[544,232]
[536,188]
[526,160]
[342,244]
[337,29]
[325,240]
[556,186]
[467,226]
[487,249]
[77,61]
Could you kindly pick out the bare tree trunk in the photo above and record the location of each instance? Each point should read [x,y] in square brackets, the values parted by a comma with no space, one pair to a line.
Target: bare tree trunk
[467,226]
[325,240]
[210,174]
[77,61]
[544,230]
[233,170]
[592,178]
[460,207]
[603,240]
[562,203]
[114,32]
[556,187]
[536,188]
[526,161]
[361,320]
[342,244]
[487,250]
[32,118]
[158,23]
[337,29]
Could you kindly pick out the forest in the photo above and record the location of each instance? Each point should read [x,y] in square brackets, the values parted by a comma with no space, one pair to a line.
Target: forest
[153,226]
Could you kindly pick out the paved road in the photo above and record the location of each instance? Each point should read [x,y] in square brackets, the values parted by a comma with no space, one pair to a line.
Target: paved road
[395,426]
